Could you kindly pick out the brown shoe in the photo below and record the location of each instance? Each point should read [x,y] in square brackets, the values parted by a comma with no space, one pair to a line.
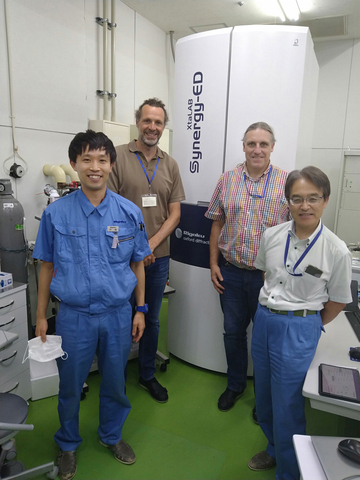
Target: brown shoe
[67,465]
[261,461]
[122,452]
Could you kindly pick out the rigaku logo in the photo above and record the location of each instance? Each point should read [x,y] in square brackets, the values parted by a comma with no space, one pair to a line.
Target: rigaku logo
[178,233]
[187,236]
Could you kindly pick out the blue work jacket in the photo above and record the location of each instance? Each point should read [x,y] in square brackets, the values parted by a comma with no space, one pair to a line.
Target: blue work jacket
[92,270]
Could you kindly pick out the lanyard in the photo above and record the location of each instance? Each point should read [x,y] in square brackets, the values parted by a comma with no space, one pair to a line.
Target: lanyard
[302,256]
[147,176]
[266,184]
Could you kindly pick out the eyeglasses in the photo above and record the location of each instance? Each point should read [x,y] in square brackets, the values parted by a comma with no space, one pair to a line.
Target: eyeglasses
[313,200]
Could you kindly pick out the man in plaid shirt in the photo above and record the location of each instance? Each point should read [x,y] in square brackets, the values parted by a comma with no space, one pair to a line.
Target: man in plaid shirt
[246,201]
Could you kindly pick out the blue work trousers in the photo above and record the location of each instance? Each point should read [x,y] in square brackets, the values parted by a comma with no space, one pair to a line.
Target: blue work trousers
[155,280]
[238,303]
[84,335]
[282,348]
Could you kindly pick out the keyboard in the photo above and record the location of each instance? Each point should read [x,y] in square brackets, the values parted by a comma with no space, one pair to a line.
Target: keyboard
[354,319]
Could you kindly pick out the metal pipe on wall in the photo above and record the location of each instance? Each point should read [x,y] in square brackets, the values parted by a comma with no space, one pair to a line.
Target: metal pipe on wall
[105,61]
[113,61]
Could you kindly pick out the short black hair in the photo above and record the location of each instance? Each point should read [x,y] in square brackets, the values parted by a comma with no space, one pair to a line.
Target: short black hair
[152,102]
[311,174]
[93,140]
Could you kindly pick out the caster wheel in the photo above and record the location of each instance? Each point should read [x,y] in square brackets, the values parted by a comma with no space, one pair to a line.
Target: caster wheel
[163,367]
[53,474]
[83,396]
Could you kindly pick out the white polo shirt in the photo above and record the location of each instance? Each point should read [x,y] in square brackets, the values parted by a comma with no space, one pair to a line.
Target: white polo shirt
[283,291]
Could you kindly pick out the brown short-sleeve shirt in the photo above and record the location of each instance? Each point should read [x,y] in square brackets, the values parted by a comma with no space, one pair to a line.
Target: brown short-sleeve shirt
[128,179]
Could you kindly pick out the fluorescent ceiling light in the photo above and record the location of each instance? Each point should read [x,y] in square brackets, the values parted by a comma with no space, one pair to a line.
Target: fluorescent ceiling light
[290,8]
[305,5]
[271,8]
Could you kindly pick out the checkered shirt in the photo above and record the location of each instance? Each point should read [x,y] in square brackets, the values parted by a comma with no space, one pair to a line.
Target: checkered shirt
[246,217]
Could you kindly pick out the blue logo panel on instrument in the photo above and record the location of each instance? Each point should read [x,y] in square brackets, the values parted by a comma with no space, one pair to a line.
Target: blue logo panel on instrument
[189,242]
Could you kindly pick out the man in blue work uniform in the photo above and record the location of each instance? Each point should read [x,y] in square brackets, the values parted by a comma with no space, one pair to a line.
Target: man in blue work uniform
[92,243]
[307,283]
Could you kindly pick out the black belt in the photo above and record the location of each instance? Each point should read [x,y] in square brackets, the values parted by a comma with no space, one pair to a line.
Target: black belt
[242,265]
[296,313]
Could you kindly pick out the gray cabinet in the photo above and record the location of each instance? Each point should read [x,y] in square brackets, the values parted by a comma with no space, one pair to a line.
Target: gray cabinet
[14,375]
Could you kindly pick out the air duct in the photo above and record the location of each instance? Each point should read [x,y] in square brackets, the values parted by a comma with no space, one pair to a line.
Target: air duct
[74,177]
[56,172]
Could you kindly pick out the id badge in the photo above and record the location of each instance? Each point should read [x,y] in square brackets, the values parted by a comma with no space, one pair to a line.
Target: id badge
[115,230]
[149,200]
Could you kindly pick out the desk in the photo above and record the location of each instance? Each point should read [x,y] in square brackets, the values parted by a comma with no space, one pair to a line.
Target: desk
[330,463]
[308,461]
[333,348]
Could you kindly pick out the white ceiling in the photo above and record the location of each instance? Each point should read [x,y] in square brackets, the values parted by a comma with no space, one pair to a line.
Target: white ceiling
[326,18]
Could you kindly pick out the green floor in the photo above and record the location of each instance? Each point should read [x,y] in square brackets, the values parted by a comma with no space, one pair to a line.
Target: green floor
[187,438]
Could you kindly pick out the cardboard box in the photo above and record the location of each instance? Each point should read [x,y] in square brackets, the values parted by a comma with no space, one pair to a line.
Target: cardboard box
[6,281]
[44,379]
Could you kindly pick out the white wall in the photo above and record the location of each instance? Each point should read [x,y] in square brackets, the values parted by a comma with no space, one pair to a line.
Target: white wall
[56,50]
[337,120]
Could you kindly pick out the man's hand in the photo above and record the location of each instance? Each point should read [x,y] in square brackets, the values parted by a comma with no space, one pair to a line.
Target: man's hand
[152,244]
[216,278]
[149,259]
[41,328]
[138,326]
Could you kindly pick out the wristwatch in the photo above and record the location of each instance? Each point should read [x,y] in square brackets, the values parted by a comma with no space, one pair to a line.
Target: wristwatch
[142,309]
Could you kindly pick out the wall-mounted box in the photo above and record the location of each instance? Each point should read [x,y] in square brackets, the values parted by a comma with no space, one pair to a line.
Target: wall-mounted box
[118,133]
[165,142]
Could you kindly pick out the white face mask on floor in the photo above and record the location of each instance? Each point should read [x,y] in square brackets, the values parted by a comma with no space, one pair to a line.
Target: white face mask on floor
[44,351]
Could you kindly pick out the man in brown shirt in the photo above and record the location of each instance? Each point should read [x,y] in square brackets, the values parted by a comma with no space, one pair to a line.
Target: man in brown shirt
[150,178]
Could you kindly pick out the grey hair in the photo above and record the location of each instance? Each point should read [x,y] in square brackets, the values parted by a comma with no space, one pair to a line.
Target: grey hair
[262,126]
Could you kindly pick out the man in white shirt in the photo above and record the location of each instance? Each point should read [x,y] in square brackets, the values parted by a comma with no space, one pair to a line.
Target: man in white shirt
[307,275]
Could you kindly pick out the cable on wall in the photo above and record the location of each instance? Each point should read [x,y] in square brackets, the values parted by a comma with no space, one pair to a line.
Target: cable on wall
[171,33]
[15,170]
